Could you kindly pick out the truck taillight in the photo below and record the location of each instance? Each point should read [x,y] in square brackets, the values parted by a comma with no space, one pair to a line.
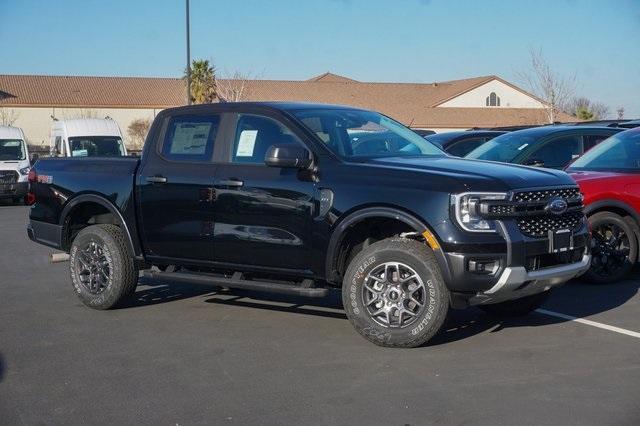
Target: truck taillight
[31,194]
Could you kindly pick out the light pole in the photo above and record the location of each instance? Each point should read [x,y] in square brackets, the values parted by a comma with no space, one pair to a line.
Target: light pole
[188,59]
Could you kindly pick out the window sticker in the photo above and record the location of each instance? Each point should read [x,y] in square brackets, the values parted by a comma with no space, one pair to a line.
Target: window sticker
[79,153]
[523,147]
[246,143]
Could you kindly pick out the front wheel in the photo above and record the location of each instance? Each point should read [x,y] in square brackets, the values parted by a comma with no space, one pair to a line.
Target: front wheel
[614,248]
[103,273]
[394,295]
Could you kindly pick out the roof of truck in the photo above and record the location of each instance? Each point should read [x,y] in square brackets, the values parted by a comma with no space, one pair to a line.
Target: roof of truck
[9,132]
[88,127]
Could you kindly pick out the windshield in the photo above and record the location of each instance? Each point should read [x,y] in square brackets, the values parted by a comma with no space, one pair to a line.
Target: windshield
[96,146]
[354,133]
[620,152]
[12,149]
[503,148]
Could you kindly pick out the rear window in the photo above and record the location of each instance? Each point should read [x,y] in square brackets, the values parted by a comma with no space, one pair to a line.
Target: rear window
[191,138]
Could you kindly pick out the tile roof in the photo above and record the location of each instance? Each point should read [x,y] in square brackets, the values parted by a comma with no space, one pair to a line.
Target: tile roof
[410,103]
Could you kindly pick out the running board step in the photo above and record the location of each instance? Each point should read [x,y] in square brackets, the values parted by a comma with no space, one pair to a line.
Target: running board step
[236,281]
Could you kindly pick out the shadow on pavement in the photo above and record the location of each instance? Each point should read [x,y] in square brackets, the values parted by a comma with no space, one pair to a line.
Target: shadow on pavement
[575,299]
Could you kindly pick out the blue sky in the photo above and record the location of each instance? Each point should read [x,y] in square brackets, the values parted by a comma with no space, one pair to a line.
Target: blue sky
[369,40]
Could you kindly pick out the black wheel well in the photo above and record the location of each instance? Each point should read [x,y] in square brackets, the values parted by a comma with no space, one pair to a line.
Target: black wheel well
[363,233]
[613,209]
[82,215]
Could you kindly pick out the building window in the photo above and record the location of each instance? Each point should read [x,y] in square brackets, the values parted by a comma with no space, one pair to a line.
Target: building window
[493,99]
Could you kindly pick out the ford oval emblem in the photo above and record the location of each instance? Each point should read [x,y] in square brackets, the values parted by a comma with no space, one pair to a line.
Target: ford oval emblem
[557,206]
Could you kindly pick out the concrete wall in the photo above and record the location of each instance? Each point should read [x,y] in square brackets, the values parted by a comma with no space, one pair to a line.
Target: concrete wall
[36,122]
[509,97]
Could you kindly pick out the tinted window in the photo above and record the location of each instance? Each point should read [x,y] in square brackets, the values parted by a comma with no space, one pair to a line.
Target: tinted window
[462,148]
[557,153]
[254,135]
[592,140]
[503,148]
[620,152]
[12,149]
[357,133]
[96,146]
[191,138]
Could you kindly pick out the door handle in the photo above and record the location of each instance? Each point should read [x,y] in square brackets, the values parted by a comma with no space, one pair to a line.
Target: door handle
[156,179]
[231,182]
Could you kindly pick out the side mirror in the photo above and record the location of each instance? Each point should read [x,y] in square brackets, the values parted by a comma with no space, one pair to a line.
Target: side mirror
[288,155]
[34,158]
[534,162]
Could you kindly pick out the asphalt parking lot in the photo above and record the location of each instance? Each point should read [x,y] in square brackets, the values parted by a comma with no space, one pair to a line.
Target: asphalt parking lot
[183,354]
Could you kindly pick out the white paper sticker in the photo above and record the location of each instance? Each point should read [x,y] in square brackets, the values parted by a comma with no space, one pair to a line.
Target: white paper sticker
[246,143]
[523,147]
[79,153]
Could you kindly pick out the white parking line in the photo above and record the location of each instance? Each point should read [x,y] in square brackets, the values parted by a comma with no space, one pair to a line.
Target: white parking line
[591,323]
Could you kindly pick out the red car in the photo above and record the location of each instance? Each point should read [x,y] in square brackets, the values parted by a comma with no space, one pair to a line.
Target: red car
[609,178]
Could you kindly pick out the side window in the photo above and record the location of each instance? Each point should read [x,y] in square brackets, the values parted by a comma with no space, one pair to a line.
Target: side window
[255,134]
[592,140]
[559,152]
[462,148]
[190,138]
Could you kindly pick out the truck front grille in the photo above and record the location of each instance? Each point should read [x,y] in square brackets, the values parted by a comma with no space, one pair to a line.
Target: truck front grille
[547,194]
[8,176]
[539,226]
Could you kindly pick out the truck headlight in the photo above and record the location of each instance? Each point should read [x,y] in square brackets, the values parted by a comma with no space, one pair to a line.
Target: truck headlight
[25,171]
[467,210]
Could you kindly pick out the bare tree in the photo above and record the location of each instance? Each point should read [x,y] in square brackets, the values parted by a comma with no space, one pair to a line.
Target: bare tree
[137,132]
[600,111]
[620,112]
[8,116]
[585,109]
[552,88]
[235,87]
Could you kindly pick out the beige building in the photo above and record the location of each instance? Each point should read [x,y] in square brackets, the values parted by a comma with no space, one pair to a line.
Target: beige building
[31,102]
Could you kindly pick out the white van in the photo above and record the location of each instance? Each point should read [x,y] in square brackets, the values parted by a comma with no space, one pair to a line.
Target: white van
[86,137]
[14,163]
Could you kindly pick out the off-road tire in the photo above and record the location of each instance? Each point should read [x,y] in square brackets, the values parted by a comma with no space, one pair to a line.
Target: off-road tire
[518,307]
[421,259]
[609,217]
[123,275]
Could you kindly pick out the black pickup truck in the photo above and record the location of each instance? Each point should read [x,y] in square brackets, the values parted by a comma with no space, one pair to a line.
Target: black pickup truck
[304,199]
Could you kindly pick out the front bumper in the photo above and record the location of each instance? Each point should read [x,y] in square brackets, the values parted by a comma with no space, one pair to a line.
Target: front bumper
[13,190]
[524,265]
[517,282]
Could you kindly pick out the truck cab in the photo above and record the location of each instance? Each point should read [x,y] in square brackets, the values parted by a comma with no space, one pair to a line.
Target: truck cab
[14,163]
[86,137]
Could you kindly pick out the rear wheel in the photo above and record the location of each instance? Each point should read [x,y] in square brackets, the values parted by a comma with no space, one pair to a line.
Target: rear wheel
[394,295]
[614,248]
[103,273]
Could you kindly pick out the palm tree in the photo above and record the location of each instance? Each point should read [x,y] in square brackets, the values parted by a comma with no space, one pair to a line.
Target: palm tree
[203,82]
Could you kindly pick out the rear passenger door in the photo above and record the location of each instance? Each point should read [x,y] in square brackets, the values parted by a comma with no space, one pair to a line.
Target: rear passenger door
[175,189]
[263,214]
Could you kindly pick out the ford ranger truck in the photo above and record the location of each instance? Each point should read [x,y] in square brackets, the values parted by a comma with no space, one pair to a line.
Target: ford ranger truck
[292,198]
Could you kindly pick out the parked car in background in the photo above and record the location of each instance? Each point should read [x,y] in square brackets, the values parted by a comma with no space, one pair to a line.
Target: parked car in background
[86,137]
[424,132]
[546,146]
[461,143]
[14,164]
[609,178]
[631,124]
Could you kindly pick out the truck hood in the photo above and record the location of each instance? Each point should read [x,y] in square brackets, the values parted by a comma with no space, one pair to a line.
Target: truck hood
[477,175]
